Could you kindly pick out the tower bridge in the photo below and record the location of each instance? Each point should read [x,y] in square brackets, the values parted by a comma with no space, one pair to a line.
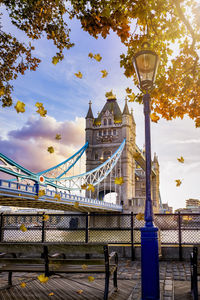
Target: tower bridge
[111,152]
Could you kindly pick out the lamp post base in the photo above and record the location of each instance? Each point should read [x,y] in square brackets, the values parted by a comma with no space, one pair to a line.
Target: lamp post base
[149,264]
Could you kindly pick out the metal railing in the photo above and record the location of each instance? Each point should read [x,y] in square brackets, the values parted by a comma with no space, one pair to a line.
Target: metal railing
[112,228]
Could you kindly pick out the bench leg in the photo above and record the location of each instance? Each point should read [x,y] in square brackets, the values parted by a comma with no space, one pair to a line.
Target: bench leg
[10,278]
[115,279]
[106,287]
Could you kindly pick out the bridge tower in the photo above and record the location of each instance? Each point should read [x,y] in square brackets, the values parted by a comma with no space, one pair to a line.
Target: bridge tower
[105,133]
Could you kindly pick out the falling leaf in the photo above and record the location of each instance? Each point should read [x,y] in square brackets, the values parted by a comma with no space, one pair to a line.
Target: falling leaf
[45,217]
[154,118]
[109,94]
[178,182]
[128,90]
[79,75]
[84,186]
[58,137]
[181,159]
[90,278]
[79,292]
[140,216]
[131,97]
[76,204]
[51,294]
[42,278]
[57,196]
[23,228]
[84,267]
[50,149]
[91,187]
[41,111]
[104,73]
[41,193]
[119,180]
[23,284]
[55,60]
[20,107]
[97,57]
[90,55]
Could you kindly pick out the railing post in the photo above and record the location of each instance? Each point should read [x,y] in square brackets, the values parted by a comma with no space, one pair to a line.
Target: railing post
[1,228]
[43,228]
[86,228]
[132,241]
[180,237]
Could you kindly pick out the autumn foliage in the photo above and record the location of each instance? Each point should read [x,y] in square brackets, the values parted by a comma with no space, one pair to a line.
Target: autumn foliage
[162,23]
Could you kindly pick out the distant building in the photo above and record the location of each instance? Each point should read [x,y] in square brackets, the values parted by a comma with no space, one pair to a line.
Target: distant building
[192,203]
[192,207]
[166,208]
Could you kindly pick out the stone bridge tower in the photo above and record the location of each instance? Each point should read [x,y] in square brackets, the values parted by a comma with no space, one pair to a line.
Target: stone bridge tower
[105,134]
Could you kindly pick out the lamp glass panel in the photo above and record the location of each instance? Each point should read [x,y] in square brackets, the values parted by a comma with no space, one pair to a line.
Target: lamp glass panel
[146,65]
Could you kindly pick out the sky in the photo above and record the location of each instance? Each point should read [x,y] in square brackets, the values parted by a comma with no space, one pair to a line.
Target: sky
[26,137]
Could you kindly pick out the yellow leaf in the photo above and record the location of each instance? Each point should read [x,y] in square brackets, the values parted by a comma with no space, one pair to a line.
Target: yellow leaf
[97,57]
[178,182]
[79,75]
[79,292]
[51,294]
[50,149]
[140,217]
[119,180]
[104,73]
[23,284]
[2,91]
[23,228]
[55,60]
[42,278]
[91,187]
[90,55]
[45,217]
[41,111]
[197,122]
[84,186]
[181,159]
[154,118]
[58,137]
[20,107]
[110,95]
[84,267]
[131,97]
[41,11]
[128,90]
[57,196]
[76,204]
[41,193]
[36,197]
[90,278]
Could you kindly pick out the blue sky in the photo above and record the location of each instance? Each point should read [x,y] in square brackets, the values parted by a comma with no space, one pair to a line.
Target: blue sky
[25,137]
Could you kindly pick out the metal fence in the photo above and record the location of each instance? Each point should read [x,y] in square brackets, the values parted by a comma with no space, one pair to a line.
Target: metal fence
[113,228]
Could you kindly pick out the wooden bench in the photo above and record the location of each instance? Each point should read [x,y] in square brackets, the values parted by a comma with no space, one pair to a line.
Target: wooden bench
[195,271]
[56,258]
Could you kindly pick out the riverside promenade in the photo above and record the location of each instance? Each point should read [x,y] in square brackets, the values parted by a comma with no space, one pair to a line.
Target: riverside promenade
[174,284]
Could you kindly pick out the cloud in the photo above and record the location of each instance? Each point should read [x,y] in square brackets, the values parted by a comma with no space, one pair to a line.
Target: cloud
[28,144]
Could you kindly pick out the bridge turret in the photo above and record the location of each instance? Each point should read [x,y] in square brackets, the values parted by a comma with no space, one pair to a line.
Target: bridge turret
[155,184]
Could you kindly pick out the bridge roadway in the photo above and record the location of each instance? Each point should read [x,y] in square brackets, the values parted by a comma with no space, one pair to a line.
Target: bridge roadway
[21,195]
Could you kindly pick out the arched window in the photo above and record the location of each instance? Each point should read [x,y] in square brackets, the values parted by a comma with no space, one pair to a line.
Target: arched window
[106,154]
[100,133]
[96,156]
[114,132]
[104,122]
[109,122]
[109,131]
[104,132]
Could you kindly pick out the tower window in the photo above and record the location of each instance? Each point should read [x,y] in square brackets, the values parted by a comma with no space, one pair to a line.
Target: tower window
[109,132]
[106,154]
[114,132]
[104,122]
[100,133]
[104,132]
[96,156]
[109,121]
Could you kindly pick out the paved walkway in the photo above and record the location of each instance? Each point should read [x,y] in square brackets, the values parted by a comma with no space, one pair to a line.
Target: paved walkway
[174,277]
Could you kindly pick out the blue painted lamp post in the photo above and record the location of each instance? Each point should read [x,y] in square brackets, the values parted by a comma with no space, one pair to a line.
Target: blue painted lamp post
[146,64]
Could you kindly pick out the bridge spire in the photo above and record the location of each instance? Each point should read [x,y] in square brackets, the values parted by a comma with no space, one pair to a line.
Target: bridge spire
[90,114]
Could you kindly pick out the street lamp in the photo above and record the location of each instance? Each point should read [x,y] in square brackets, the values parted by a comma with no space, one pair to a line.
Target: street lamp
[146,64]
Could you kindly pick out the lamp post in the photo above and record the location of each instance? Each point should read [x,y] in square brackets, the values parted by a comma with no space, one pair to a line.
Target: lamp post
[146,64]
